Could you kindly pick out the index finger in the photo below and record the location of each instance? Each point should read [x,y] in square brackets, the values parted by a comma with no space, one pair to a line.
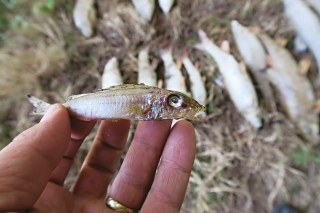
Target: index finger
[79,131]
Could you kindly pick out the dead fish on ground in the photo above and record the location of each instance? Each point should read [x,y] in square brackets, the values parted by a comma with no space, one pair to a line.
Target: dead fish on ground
[111,74]
[236,81]
[254,56]
[198,90]
[174,79]
[128,101]
[296,92]
[166,5]
[315,4]
[146,73]
[145,8]
[307,25]
[84,16]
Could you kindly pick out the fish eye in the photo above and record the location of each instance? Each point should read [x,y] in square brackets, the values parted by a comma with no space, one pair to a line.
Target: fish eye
[175,100]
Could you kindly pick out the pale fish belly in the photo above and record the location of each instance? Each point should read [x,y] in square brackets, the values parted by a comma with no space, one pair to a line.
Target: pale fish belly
[108,107]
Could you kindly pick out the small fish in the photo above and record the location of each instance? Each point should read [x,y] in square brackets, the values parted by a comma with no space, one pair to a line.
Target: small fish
[254,56]
[174,78]
[128,101]
[146,73]
[84,16]
[111,74]
[307,25]
[296,91]
[198,89]
[235,79]
[166,5]
[145,8]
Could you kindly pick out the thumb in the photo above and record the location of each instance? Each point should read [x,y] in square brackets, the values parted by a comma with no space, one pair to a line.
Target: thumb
[26,163]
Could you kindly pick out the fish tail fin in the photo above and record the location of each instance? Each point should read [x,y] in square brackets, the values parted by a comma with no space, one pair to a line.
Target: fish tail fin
[185,55]
[166,53]
[167,50]
[225,46]
[203,37]
[39,107]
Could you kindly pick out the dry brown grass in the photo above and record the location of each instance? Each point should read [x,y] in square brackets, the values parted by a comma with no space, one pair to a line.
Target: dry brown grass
[236,169]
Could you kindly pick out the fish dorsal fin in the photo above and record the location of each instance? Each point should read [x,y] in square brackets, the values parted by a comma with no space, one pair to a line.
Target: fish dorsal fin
[125,87]
[75,96]
[117,87]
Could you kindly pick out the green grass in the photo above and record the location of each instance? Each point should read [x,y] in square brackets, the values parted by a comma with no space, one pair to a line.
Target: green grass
[304,157]
[46,7]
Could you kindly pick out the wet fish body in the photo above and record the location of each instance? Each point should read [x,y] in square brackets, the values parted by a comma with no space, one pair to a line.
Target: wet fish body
[295,89]
[134,102]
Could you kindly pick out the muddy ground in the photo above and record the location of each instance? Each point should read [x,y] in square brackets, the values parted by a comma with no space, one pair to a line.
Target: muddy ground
[237,169]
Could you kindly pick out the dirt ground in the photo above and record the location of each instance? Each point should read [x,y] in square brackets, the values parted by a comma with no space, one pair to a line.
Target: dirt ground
[237,169]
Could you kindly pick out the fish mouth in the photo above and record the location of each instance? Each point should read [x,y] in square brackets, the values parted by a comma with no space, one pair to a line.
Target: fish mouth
[197,115]
[197,118]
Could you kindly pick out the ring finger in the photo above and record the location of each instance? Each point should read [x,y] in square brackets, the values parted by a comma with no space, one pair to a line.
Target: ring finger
[137,172]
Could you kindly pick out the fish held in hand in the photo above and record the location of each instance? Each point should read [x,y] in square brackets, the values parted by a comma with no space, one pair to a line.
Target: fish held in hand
[128,101]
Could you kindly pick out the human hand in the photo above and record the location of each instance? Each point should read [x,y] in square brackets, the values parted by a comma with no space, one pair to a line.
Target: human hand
[34,166]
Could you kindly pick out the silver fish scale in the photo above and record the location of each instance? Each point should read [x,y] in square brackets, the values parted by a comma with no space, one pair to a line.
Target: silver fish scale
[110,103]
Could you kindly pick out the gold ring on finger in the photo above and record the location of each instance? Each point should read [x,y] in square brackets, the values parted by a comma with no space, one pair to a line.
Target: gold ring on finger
[116,206]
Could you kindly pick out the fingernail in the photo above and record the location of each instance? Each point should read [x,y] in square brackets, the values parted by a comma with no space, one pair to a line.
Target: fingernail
[49,112]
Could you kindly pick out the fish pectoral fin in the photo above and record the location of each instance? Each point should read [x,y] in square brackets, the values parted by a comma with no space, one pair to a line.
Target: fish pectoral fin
[316,107]
[137,110]
[243,68]
[199,46]
[269,61]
